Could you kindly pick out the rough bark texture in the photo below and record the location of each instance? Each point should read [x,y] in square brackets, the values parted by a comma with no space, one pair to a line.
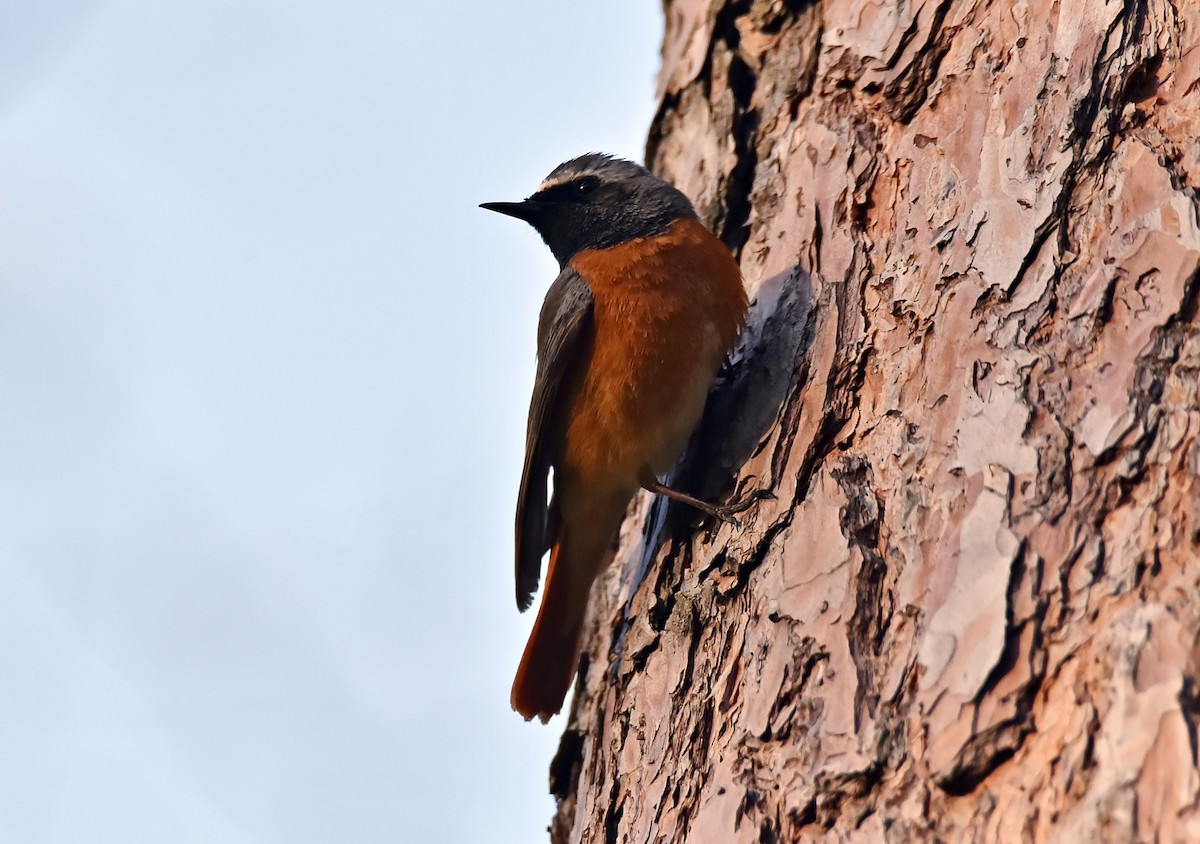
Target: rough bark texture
[971,611]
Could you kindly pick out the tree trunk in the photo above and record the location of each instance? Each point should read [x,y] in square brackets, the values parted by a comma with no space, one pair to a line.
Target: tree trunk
[970,612]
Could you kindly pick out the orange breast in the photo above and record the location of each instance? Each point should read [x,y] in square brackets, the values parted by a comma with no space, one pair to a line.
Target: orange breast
[667,309]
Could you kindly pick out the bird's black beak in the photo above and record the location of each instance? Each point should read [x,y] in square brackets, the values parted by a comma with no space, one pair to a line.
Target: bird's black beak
[526,210]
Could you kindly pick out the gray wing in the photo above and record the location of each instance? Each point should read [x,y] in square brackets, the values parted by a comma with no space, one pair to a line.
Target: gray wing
[563,329]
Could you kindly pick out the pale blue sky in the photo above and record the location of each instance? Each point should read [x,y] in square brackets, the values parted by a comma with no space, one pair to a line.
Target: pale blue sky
[264,369]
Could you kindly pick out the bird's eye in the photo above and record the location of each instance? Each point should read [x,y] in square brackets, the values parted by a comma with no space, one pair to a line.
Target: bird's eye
[585,186]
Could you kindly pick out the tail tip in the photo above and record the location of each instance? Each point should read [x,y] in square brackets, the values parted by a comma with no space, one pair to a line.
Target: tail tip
[529,710]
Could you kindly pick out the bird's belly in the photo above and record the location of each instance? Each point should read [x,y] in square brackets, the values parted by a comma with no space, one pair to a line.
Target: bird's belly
[638,400]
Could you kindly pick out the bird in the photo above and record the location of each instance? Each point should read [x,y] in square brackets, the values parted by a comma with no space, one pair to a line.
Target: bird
[646,306]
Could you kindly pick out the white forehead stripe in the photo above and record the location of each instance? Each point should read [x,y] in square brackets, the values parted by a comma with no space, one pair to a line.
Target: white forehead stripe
[558,180]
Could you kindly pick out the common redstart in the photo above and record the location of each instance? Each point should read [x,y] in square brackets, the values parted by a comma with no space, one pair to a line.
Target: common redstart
[646,305]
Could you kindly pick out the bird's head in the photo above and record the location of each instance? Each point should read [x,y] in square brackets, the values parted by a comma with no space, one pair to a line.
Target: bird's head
[597,201]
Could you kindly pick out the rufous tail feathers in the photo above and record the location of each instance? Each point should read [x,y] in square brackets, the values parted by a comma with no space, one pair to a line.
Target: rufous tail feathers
[548,665]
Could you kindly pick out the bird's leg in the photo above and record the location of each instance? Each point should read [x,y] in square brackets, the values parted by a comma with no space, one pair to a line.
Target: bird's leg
[724,512]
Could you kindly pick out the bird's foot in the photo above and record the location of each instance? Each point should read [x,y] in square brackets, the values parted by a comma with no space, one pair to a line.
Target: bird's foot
[724,512]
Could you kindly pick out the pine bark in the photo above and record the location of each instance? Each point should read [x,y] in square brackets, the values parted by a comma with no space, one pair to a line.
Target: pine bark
[971,610]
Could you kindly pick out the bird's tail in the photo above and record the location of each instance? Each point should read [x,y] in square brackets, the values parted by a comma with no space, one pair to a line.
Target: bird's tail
[548,664]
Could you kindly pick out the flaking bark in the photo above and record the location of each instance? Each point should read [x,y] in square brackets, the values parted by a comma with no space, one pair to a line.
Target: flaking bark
[971,611]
